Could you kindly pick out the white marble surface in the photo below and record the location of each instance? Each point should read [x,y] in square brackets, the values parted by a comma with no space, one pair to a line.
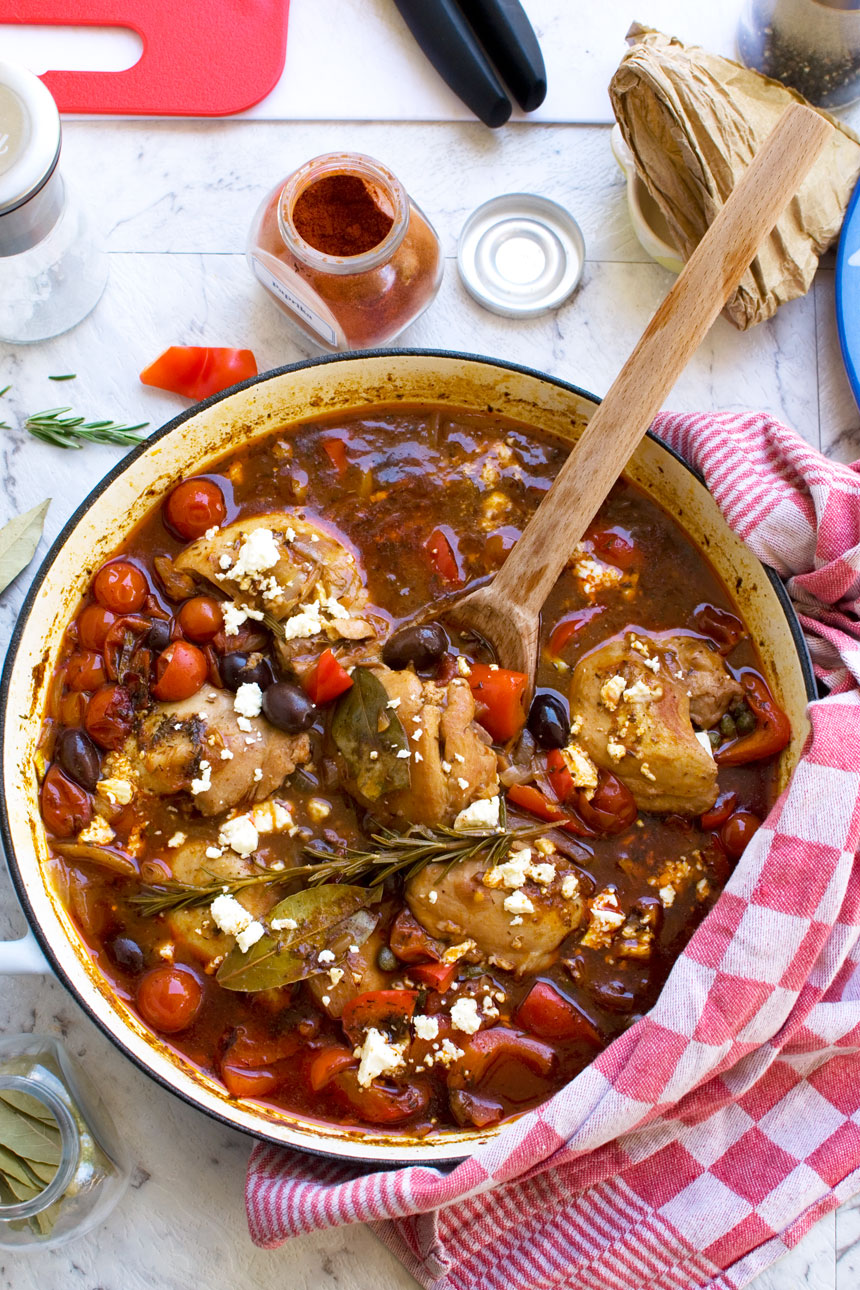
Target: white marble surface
[174,201]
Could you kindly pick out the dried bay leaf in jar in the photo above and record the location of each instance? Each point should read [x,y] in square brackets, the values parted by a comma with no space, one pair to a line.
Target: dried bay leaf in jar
[345,252]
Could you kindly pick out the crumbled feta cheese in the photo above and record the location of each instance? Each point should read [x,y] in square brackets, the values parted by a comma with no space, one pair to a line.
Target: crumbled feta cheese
[464,783]
[512,874]
[611,691]
[703,739]
[306,623]
[483,814]
[250,935]
[229,915]
[667,895]
[516,922]
[118,791]
[393,703]
[570,886]
[542,874]
[639,692]
[448,1053]
[318,809]
[335,976]
[283,924]
[214,853]
[177,840]
[225,561]
[203,782]
[425,1027]
[234,617]
[258,552]
[378,1057]
[240,835]
[463,666]
[647,771]
[374,755]
[582,769]
[326,956]
[271,817]
[226,754]
[258,774]
[248,699]
[211,533]
[615,749]
[432,895]
[244,724]
[605,917]
[518,903]
[455,952]
[465,1017]
[97,833]
[326,1000]
[576,724]
[403,754]
[446,767]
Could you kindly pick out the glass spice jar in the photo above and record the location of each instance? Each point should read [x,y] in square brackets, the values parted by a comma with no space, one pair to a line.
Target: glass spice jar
[811,45]
[345,252]
[62,1166]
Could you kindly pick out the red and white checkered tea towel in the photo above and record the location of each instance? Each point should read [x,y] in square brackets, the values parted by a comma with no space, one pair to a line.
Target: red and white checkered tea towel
[710,1136]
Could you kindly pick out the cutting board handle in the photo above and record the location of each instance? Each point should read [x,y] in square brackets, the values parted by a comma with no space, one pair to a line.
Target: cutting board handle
[198,59]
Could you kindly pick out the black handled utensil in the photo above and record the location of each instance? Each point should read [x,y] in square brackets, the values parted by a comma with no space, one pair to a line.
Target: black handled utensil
[458,35]
[504,30]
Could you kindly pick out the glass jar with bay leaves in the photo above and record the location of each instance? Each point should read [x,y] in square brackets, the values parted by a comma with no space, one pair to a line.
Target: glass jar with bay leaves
[62,1166]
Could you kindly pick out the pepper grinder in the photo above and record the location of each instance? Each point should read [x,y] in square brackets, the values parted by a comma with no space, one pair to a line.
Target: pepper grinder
[53,270]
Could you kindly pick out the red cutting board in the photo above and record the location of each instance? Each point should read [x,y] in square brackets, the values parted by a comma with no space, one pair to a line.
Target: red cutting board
[200,57]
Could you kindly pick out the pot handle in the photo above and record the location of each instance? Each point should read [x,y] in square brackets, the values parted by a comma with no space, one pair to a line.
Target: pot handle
[22,957]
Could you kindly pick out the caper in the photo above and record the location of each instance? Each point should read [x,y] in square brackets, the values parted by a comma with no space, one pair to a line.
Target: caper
[246,669]
[386,961]
[78,757]
[421,646]
[745,722]
[548,720]
[728,727]
[289,708]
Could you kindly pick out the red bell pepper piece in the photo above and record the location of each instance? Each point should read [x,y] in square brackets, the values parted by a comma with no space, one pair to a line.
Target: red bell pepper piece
[560,778]
[569,627]
[546,1013]
[770,736]
[379,1104]
[531,799]
[438,976]
[326,680]
[335,450]
[443,556]
[499,695]
[611,807]
[614,546]
[198,371]
[719,812]
[484,1049]
[327,1063]
[241,1081]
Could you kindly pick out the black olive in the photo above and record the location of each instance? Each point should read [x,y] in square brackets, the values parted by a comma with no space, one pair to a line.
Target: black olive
[548,721]
[158,636]
[246,669]
[289,708]
[614,996]
[78,757]
[126,953]
[421,646]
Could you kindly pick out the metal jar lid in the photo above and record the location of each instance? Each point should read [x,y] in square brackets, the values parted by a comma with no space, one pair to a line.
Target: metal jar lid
[521,255]
[29,150]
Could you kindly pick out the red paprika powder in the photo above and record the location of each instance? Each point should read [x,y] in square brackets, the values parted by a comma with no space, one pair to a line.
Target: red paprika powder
[346,254]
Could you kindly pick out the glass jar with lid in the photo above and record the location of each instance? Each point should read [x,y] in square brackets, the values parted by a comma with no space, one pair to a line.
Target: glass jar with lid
[345,252]
[811,45]
[62,1165]
[53,268]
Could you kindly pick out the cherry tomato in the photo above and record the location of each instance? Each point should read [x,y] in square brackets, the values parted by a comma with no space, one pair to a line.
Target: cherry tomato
[201,618]
[443,556]
[724,629]
[109,716]
[199,371]
[72,708]
[498,693]
[85,671]
[616,546]
[411,942]
[438,976]
[240,1081]
[94,623]
[569,627]
[66,807]
[377,1008]
[719,812]
[737,832]
[194,506]
[169,997]
[180,670]
[121,586]
[382,1103]
[611,808]
[326,680]
[327,1063]
[546,1013]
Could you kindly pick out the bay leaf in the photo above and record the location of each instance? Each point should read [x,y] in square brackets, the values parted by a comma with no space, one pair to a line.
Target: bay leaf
[330,917]
[12,1166]
[363,724]
[28,1138]
[28,1105]
[21,1190]
[18,541]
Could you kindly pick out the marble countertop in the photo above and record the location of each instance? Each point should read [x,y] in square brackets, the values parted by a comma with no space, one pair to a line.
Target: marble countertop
[174,201]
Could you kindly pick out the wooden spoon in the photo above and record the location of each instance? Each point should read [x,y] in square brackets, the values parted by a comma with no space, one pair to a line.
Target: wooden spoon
[506,612]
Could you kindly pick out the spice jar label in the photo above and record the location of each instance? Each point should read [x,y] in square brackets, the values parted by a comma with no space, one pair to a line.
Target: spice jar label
[300,307]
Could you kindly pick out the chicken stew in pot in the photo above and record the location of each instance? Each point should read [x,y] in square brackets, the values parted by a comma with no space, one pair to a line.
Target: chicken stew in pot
[314,839]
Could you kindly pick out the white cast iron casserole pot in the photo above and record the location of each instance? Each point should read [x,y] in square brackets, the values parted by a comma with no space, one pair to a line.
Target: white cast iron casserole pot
[189,444]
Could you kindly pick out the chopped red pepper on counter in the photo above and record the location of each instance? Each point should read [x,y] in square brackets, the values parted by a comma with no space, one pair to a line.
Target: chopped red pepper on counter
[198,371]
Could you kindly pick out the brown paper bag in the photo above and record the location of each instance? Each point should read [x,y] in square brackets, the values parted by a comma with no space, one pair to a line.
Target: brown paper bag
[693,122]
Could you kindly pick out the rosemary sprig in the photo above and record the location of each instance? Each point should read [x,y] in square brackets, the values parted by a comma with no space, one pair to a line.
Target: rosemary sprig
[394,853]
[63,431]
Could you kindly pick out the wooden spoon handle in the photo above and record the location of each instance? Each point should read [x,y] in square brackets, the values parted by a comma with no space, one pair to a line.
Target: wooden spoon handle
[671,337]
